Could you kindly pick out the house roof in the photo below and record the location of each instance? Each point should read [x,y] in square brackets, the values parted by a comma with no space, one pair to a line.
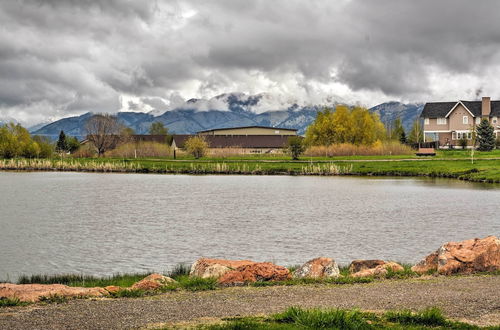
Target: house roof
[242,127]
[238,141]
[441,109]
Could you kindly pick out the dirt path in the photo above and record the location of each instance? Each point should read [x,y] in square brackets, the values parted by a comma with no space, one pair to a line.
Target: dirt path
[473,299]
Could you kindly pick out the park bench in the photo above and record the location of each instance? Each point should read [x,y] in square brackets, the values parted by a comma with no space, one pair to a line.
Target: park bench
[426,152]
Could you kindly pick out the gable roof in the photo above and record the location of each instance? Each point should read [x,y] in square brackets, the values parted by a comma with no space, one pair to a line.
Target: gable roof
[441,109]
[237,141]
[242,127]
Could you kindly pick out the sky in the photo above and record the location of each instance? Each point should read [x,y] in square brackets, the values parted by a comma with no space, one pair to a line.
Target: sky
[60,58]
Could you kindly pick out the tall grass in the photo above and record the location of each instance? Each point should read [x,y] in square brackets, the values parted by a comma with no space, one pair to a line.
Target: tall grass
[66,165]
[326,169]
[122,280]
[315,318]
[323,319]
[196,283]
[140,149]
[179,270]
[429,317]
[347,149]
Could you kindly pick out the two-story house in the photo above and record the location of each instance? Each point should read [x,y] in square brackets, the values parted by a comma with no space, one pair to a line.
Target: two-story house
[448,122]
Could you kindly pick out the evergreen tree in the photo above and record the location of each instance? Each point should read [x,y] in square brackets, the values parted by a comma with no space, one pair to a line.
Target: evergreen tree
[485,136]
[402,137]
[62,144]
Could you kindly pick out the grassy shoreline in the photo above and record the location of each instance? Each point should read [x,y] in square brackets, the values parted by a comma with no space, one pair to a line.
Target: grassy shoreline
[482,170]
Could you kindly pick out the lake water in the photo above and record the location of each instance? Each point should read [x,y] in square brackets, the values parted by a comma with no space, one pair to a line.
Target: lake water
[107,223]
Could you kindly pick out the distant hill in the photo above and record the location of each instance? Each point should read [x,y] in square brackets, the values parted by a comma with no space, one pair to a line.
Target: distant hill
[228,110]
[390,111]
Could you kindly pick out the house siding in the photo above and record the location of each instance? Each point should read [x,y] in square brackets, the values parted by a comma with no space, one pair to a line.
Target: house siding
[456,119]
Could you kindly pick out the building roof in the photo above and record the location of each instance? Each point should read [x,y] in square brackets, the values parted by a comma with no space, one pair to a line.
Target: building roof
[238,141]
[242,127]
[441,109]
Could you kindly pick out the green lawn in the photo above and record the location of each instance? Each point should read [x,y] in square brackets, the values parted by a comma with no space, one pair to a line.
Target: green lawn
[451,164]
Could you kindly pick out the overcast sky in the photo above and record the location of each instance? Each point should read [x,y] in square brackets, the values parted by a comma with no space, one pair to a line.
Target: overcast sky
[67,57]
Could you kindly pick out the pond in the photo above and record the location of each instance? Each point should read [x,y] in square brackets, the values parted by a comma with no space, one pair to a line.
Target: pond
[102,224]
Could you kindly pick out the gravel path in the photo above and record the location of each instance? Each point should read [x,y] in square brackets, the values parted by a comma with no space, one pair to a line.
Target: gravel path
[473,298]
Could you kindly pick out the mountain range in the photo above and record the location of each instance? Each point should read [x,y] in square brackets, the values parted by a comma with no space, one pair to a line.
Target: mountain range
[226,110]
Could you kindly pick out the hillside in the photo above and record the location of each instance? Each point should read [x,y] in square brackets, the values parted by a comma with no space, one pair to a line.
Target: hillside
[228,110]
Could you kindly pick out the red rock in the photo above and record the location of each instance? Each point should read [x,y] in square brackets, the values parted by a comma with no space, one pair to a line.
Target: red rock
[317,268]
[205,267]
[262,271]
[153,282]
[359,265]
[33,292]
[428,264]
[379,271]
[469,256]
[112,288]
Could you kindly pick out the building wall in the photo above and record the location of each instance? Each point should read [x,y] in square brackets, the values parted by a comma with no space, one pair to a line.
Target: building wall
[225,152]
[456,119]
[433,126]
[250,131]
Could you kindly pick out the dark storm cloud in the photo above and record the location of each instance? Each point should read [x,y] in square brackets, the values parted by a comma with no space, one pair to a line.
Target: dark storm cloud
[66,57]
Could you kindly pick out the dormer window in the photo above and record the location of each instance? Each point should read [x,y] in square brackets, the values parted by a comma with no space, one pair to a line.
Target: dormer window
[441,121]
[465,120]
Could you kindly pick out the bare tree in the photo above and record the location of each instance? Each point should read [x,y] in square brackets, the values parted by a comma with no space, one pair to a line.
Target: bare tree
[103,131]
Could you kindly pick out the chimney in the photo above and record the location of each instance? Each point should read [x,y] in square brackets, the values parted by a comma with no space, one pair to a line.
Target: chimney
[486,107]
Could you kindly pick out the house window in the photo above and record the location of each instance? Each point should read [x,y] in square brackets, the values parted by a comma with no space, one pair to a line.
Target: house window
[454,135]
[465,120]
[469,136]
[478,120]
[441,121]
[426,121]
[494,121]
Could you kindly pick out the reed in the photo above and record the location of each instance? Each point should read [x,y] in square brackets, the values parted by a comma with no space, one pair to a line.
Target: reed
[140,150]
[36,164]
[347,149]
[326,169]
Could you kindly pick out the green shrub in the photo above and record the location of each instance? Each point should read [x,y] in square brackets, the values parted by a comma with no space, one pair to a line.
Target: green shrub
[9,302]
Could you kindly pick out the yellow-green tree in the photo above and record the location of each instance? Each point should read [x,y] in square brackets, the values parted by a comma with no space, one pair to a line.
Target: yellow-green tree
[346,125]
[196,146]
[15,141]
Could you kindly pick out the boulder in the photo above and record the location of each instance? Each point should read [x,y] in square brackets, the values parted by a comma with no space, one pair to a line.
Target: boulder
[359,265]
[33,292]
[261,271]
[206,268]
[379,271]
[465,257]
[152,282]
[112,288]
[318,268]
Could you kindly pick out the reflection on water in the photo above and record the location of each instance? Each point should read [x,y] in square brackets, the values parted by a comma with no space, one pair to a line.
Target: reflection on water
[107,223]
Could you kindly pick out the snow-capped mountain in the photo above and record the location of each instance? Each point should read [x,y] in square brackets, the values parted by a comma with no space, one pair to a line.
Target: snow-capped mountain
[230,110]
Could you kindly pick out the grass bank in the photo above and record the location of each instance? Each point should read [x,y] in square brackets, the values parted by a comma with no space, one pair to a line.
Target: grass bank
[482,170]
[299,318]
